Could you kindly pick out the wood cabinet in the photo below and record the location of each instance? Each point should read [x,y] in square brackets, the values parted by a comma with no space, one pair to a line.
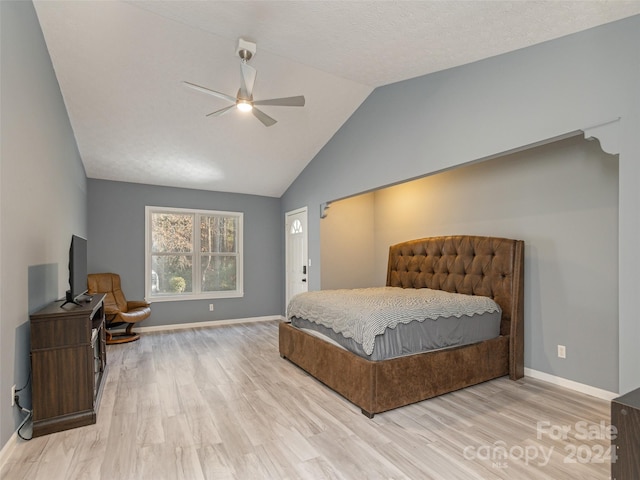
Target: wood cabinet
[625,416]
[68,364]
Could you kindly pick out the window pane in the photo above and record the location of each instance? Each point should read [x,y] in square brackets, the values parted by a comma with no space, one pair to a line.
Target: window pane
[193,254]
[171,274]
[218,273]
[296,227]
[218,234]
[171,233]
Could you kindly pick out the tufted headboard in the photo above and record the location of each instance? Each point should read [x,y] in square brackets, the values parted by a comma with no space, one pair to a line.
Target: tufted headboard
[488,266]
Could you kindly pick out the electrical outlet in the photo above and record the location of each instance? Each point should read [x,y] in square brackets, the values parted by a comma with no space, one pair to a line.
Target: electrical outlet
[562,351]
[211,307]
[13,395]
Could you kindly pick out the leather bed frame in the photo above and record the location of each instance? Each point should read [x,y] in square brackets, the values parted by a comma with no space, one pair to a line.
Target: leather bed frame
[473,265]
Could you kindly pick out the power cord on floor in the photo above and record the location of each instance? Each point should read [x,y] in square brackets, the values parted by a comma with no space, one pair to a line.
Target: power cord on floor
[27,418]
[29,413]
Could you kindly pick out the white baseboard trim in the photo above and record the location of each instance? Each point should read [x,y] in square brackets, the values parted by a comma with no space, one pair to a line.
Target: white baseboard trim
[578,387]
[211,323]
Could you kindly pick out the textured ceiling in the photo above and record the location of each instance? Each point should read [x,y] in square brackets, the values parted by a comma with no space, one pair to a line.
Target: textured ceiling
[120,66]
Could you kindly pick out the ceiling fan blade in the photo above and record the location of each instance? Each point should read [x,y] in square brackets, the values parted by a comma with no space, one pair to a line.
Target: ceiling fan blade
[248,74]
[263,117]
[208,91]
[283,102]
[217,113]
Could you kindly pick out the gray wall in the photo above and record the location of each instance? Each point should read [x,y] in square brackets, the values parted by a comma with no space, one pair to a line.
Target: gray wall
[42,194]
[553,197]
[446,119]
[116,244]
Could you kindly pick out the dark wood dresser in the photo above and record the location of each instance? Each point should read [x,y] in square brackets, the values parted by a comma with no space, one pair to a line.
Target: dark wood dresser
[625,416]
[68,364]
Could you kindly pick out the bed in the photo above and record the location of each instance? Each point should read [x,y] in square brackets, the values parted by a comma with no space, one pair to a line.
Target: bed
[472,265]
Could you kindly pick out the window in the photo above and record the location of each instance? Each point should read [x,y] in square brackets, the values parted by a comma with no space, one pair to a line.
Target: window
[193,254]
[296,227]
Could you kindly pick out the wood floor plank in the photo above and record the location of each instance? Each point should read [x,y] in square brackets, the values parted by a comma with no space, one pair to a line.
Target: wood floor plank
[216,462]
[219,403]
[317,469]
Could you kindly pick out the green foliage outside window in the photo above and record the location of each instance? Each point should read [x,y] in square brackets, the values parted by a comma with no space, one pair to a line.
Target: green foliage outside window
[177,284]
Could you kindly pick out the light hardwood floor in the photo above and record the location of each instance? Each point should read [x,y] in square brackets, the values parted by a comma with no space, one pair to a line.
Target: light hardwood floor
[219,403]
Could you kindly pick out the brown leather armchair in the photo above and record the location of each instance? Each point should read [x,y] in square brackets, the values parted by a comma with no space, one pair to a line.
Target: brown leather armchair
[118,311]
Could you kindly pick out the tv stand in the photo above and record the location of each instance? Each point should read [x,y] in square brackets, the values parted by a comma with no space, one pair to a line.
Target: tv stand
[69,299]
[68,364]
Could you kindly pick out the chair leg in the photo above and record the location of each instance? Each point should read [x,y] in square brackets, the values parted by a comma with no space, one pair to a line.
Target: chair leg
[122,337]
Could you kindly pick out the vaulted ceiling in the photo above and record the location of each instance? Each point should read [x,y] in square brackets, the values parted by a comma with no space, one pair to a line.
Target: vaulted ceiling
[121,67]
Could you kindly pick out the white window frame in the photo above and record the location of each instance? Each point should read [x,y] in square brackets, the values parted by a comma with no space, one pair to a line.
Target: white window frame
[197,294]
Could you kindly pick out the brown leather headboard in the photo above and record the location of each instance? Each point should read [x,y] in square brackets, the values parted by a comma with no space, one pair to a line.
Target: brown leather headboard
[488,266]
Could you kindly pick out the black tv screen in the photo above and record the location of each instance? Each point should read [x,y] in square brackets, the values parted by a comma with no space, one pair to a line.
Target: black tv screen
[77,267]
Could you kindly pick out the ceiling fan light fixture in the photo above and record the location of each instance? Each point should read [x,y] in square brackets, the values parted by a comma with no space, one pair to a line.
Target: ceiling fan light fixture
[243,101]
[244,106]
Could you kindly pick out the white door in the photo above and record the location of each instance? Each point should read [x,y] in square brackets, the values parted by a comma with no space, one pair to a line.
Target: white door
[296,239]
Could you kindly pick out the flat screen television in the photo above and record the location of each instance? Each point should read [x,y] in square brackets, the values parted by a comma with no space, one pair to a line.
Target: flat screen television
[77,269]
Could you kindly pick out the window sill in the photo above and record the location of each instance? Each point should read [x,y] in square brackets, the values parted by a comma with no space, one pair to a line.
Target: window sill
[182,298]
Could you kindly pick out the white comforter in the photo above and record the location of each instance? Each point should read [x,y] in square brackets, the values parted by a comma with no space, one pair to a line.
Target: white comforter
[363,313]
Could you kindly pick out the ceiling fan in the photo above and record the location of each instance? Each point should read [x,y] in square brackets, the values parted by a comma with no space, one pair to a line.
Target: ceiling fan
[244,101]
